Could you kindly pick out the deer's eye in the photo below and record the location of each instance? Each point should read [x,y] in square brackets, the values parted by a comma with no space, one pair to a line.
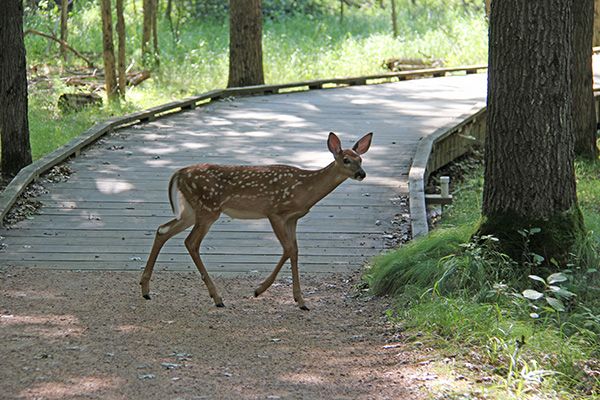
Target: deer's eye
[346,161]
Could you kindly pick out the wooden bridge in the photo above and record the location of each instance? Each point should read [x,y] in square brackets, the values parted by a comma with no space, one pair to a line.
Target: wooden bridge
[105,215]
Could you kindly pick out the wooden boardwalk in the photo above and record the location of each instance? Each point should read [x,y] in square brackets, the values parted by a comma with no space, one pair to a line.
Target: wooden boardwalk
[104,217]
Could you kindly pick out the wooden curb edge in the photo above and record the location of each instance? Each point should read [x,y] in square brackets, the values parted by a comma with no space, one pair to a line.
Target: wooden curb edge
[419,172]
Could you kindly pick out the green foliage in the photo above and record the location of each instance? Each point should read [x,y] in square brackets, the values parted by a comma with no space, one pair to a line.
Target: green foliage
[538,334]
[301,41]
[417,264]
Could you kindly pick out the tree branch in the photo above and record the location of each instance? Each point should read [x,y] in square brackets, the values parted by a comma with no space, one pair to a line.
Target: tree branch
[47,36]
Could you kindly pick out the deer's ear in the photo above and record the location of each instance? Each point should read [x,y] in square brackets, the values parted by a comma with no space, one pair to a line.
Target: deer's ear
[334,144]
[363,143]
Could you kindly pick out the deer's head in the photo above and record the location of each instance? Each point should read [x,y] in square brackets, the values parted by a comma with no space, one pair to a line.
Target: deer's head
[349,161]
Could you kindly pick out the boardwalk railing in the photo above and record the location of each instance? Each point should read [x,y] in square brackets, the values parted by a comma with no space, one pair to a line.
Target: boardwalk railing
[442,147]
[28,174]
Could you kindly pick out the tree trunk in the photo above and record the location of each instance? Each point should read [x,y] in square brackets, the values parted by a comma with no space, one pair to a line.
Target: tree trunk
[146,28]
[64,12]
[584,111]
[149,32]
[109,51]
[121,48]
[245,43]
[596,23]
[14,125]
[155,31]
[394,19]
[529,149]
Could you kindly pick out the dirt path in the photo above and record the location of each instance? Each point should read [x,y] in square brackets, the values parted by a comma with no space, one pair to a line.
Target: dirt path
[72,335]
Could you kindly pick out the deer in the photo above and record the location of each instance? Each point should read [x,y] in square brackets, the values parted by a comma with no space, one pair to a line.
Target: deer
[283,194]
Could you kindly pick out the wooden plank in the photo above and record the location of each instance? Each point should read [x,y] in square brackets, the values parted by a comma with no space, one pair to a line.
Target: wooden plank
[273,249]
[276,129]
[215,270]
[119,233]
[221,245]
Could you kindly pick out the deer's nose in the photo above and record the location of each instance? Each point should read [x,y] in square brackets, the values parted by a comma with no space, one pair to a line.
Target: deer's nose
[360,175]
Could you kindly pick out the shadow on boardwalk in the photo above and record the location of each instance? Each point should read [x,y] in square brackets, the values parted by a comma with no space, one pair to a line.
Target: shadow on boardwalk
[105,215]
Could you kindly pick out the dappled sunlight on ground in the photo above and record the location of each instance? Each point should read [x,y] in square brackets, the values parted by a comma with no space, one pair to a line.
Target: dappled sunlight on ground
[102,340]
[50,326]
[73,388]
[111,186]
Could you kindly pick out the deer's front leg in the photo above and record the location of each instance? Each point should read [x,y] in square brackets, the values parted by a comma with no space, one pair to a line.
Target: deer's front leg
[192,243]
[285,230]
[164,233]
[291,231]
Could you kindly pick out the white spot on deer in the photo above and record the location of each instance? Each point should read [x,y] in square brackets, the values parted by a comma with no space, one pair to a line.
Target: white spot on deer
[194,185]
[189,175]
[163,229]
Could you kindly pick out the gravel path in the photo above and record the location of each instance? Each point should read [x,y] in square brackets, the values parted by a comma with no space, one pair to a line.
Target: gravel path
[90,335]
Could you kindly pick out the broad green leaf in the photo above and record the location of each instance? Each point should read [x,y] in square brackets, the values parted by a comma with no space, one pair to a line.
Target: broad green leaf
[555,303]
[557,277]
[537,278]
[537,259]
[564,293]
[532,294]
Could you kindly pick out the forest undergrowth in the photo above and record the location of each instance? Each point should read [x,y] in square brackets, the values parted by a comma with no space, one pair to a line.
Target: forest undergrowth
[311,43]
[517,332]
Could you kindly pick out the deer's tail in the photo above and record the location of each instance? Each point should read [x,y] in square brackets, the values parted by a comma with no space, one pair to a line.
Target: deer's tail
[174,196]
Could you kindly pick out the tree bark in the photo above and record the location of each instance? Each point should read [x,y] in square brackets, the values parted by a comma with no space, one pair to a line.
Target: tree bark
[149,32]
[155,31]
[14,124]
[394,19]
[109,51]
[583,93]
[245,43]
[596,23]
[121,48]
[529,149]
[64,13]
[146,27]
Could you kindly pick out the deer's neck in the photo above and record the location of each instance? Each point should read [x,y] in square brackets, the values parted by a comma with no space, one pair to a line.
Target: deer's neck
[320,183]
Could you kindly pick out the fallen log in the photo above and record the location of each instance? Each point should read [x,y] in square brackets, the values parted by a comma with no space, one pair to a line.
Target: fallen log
[68,102]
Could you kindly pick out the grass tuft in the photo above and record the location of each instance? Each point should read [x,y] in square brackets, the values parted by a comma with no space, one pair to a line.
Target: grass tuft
[462,294]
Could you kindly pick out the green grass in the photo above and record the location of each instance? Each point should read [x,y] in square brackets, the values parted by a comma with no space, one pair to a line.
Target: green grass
[449,289]
[295,47]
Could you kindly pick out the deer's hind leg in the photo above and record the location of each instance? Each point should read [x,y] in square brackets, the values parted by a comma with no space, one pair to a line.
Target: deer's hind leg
[204,221]
[163,233]
[285,230]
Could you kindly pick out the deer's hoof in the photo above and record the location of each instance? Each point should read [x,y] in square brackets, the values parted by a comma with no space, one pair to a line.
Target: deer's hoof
[220,304]
[303,307]
[146,296]
[256,293]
